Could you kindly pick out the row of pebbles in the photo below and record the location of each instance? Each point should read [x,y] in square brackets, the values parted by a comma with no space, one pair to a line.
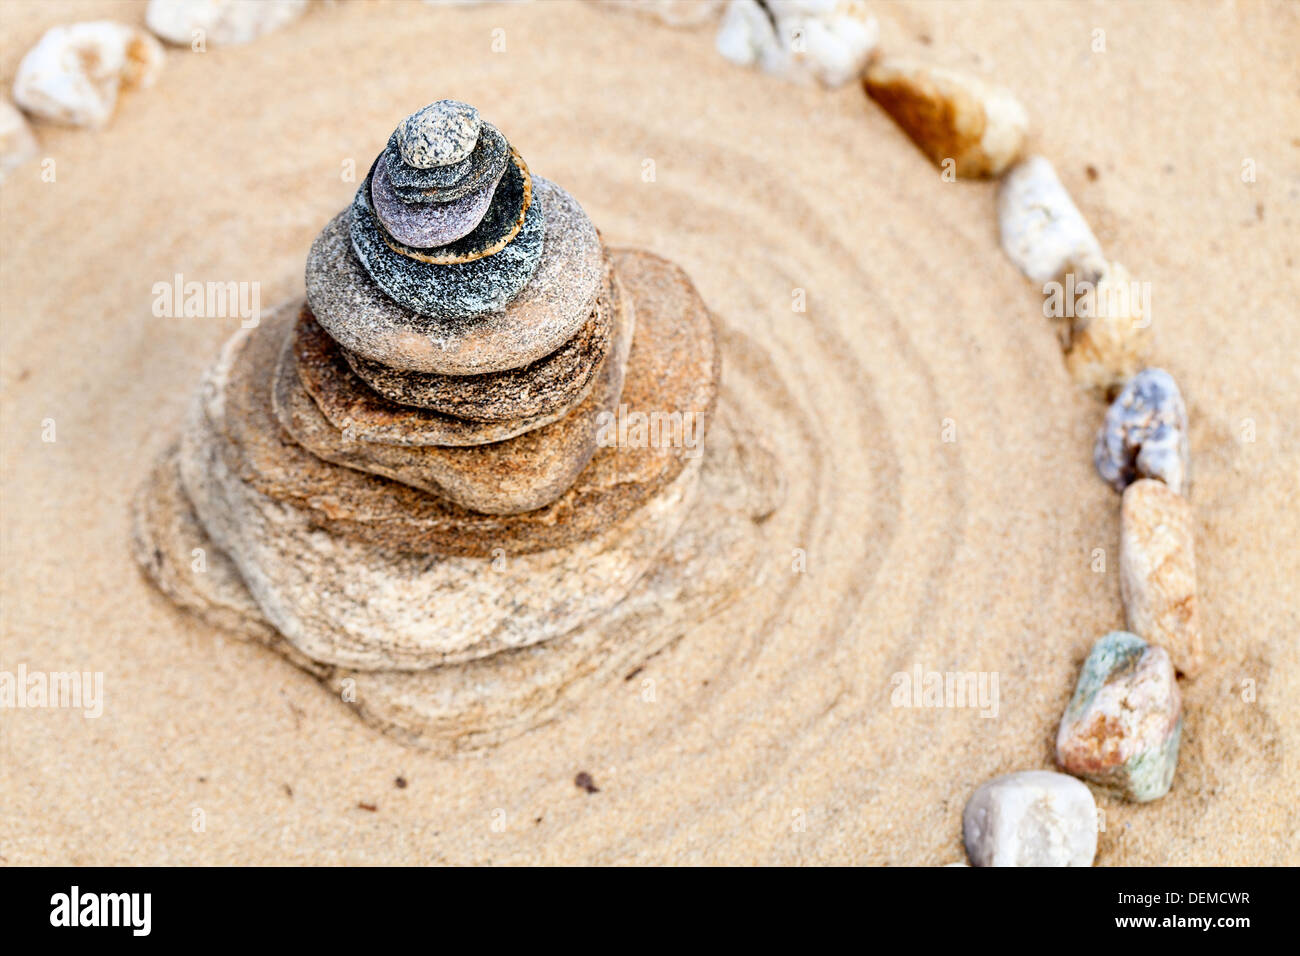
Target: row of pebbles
[1122,726]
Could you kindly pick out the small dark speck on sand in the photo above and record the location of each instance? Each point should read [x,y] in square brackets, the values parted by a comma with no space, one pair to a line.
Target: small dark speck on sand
[633,673]
[1259,211]
[296,711]
[925,39]
[583,781]
[289,791]
[367,806]
[400,783]
[1091,170]
[538,820]
[203,779]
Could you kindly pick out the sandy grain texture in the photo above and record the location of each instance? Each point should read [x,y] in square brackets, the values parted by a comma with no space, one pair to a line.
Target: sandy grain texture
[970,555]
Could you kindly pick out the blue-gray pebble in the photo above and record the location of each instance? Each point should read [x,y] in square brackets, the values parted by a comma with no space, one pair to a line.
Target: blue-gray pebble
[1145,434]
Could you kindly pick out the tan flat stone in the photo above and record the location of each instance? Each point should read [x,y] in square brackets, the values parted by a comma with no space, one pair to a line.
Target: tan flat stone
[172,548]
[549,311]
[362,605]
[710,563]
[176,554]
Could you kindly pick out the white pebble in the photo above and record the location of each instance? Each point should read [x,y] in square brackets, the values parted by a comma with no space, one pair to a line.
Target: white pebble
[220,22]
[1031,818]
[1043,232]
[17,144]
[73,74]
[829,40]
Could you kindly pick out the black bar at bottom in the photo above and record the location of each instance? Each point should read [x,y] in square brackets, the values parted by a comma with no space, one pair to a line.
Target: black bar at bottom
[336,907]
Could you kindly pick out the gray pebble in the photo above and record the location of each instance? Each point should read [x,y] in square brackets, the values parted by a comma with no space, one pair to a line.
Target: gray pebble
[1145,434]
[440,134]
[551,383]
[558,299]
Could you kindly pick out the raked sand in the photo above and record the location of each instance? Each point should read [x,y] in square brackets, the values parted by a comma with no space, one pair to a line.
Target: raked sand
[765,735]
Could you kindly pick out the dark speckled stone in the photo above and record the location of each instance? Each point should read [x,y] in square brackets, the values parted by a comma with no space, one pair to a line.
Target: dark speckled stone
[556,302]
[448,177]
[463,290]
[447,183]
[505,217]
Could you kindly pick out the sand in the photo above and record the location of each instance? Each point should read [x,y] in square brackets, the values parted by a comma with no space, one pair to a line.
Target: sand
[765,735]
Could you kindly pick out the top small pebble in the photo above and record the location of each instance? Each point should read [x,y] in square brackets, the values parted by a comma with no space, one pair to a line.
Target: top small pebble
[440,134]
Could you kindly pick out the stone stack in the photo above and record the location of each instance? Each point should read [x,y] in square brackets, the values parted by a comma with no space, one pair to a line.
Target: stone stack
[478,434]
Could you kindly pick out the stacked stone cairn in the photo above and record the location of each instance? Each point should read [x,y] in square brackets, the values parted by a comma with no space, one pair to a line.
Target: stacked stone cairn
[446,483]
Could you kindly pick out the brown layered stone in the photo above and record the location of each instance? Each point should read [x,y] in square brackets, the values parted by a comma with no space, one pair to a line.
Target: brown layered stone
[172,547]
[713,560]
[554,383]
[674,366]
[501,404]
[519,474]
